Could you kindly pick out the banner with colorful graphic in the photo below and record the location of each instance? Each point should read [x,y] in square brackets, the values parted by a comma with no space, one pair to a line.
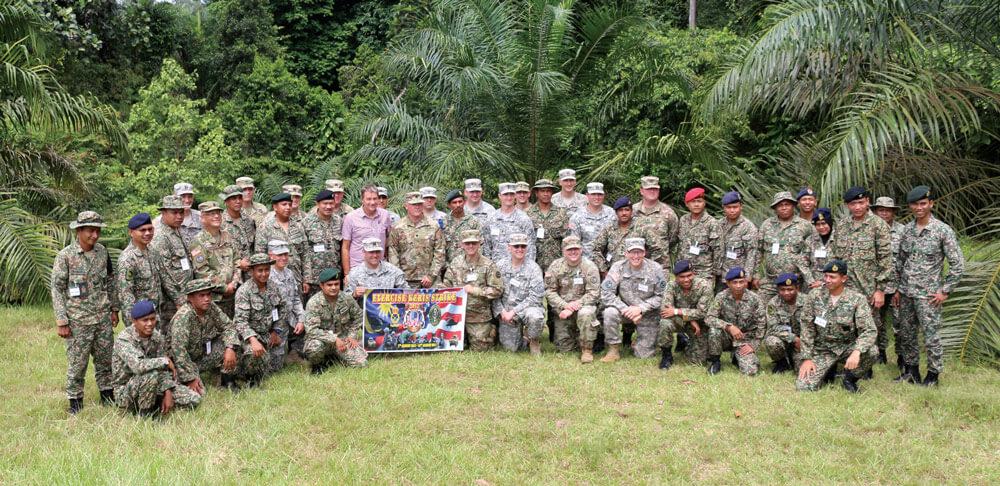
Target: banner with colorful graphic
[414,320]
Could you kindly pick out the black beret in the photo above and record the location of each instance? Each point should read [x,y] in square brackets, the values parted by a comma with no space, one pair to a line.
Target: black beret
[455,193]
[324,195]
[918,193]
[138,220]
[281,197]
[836,266]
[855,193]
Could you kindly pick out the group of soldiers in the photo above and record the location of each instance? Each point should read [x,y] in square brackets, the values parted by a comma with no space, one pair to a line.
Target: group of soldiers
[220,290]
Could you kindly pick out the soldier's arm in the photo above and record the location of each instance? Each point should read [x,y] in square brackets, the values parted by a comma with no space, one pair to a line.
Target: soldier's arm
[654,302]
[187,370]
[313,321]
[284,311]
[133,360]
[109,284]
[392,247]
[229,335]
[493,287]
[355,322]
[883,256]
[673,234]
[956,262]
[529,231]
[759,320]
[753,259]
[600,250]
[609,291]
[437,263]
[123,279]
[712,318]
[555,300]
[241,317]
[806,329]
[802,262]
[58,285]
[535,292]
[592,285]
[867,332]
[309,274]
[296,307]
[450,279]
[400,281]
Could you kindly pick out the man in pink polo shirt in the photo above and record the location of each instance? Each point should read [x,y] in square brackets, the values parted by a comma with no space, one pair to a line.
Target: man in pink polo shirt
[368,221]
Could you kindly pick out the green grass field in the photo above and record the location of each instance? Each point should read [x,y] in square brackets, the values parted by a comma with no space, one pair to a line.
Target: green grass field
[499,418]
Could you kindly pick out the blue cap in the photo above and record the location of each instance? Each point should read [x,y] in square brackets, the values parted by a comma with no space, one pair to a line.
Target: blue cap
[682,266]
[324,195]
[855,193]
[736,272]
[805,192]
[138,220]
[142,308]
[731,197]
[281,197]
[786,279]
[621,203]
[823,214]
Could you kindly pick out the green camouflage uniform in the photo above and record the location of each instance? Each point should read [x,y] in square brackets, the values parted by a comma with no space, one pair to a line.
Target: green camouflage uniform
[139,277]
[453,229]
[694,305]
[896,230]
[142,373]
[866,247]
[662,227]
[83,298]
[783,248]
[550,228]
[565,283]
[325,323]
[624,286]
[483,275]
[169,248]
[782,329]
[523,291]
[417,249]
[269,230]
[819,255]
[693,244]
[322,248]
[243,231]
[922,252]
[257,314]
[386,276]
[217,259]
[733,245]
[747,314]
[197,343]
[848,327]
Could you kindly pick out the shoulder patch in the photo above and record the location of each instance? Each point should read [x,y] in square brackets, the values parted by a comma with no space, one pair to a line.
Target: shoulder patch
[195,251]
[130,275]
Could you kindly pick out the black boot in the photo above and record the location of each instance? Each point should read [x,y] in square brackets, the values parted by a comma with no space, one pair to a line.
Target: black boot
[714,366]
[831,375]
[598,343]
[736,363]
[668,359]
[781,366]
[75,405]
[910,374]
[882,358]
[931,379]
[900,364]
[682,342]
[626,340]
[867,375]
[108,398]
[228,381]
[254,380]
[552,329]
[317,369]
[850,382]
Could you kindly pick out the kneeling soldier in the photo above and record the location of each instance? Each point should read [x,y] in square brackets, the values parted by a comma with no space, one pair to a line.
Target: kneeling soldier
[202,338]
[572,287]
[837,327]
[333,325]
[260,317]
[685,303]
[519,310]
[633,289]
[480,278]
[736,323]
[782,339]
[145,379]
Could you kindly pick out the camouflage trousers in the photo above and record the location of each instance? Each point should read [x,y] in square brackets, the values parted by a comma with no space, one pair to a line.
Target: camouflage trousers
[720,340]
[164,318]
[582,326]
[697,349]
[644,344]
[87,341]
[884,315]
[480,336]
[143,391]
[526,326]
[778,350]
[767,291]
[289,340]
[918,315]
[882,341]
[227,305]
[319,350]
[825,361]
[249,365]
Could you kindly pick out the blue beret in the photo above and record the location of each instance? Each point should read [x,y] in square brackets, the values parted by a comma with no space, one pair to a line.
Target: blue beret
[281,197]
[682,266]
[855,193]
[621,203]
[142,308]
[455,193]
[138,220]
[836,266]
[918,193]
[786,279]
[324,195]
[805,192]
[731,197]
[736,272]
[328,275]
[823,214]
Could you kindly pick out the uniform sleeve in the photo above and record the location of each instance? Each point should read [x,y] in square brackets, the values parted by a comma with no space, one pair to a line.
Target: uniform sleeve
[806,329]
[309,273]
[296,307]
[58,285]
[187,370]
[600,250]
[126,298]
[400,281]
[802,262]
[133,359]
[899,260]
[700,310]
[241,316]
[536,289]
[529,230]
[956,261]
[229,335]
[313,322]
[753,259]
[556,302]
[493,287]
[866,326]
[392,246]
[260,241]
[712,317]
[355,321]
[109,283]
[883,255]
[759,318]
[609,291]
[758,255]
[437,263]
[715,243]
[284,312]
[450,278]
[775,326]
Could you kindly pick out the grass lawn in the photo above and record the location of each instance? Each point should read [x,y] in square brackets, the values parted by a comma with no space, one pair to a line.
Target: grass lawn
[499,418]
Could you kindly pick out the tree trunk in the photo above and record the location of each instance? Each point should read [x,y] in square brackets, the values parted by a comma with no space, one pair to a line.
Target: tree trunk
[691,13]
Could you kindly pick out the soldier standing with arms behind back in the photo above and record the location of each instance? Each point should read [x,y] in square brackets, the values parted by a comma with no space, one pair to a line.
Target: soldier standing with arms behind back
[733,239]
[885,208]
[693,233]
[323,231]
[139,275]
[417,245]
[782,246]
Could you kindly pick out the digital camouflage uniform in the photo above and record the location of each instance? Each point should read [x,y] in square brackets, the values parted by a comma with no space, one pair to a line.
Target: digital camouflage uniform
[693,305]
[564,284]
[453,229]
[169,248]
[849,326]
[481,212]
[142,373]
[866,247]
[922,252]
[571,205]
[661,226]
[217,260]
[243,231]
[341,211]
[625,286]
[257,314]
[270,229]
[139,276]
[550,228]
[747,314]
[322,247]
[819,255]
[325,323]
[386,276]
[782,329]
[418,249]
[291,294]
[523,289]
[733,245]
[83,297]
[609,247]
[483,275]
[693,244]
[497,230]
[189,228]
[782,248]
[588,226]
[197,343]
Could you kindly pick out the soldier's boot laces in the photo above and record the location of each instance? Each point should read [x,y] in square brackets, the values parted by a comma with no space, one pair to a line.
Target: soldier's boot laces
[75,405]
[850,382]
[108,398]
[586,352]
[682,342]
[714,366]
[613,354]
[882,358]
[535,347]
[781,366]
[667,360]
[931,379]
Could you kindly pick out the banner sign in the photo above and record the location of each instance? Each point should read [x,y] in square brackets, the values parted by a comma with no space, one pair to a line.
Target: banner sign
[414,320]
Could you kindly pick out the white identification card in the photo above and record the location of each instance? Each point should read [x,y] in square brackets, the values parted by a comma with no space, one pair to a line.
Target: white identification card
[74,291]
[515,283]
[495,231]
[775,248]
[540,233]
[731,255]
[185,264]
[588,228]
[819,253]
[578,281]
[642,288]
[820,321]
[609,257]
[471,277]
[274,314]
[319,248]
[208,347]
[694,250]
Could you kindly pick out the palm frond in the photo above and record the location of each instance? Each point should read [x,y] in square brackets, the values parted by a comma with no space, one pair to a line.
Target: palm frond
[28,247]
[971,326]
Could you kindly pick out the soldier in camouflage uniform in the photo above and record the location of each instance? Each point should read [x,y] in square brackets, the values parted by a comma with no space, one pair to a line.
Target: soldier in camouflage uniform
[242,230]
[573,289]
[481,280]
[170,249]
[660,219]
[693,230]
[292,332]
[836,325]
[191,224]
[279,227]
[568,198]
[519,310]
[324,238]
[295,191]
[429,196]
[254,210]
[782,335]
[925,245]
[736,323]
[782,246]
[416,245]
[383,202]
[333,326]
[633,289]
[886,208]
[686,300]
[733,238]
[818,245]
[503,223]
[376,273]
[260,316]
[145,379]
[86,307]
[588,221]
[551,224]
[456,223]
[863,241]
[216,258]
[340,208]
[474,204]
[202,339]
[522,195]
[139,275]
[807,202]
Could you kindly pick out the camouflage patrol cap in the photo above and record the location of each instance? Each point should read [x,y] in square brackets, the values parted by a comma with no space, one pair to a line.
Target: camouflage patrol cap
[182,188]
[521,186]
[506,188]
[172,202]
[88,218]
[229,191]
[544,184]
[836,266]
[470,236]
[428,192]
[571,242]
[595,188]
[782,196]
[293,189]
[209,206]
[567,174]
[277,247]
[414,198]
[244,182]
[650,182]
[260,259]
[473,185]
[518,239]
[197,285]
[635,244]
[382,191]
[371,244]
[335,185]
[885,202]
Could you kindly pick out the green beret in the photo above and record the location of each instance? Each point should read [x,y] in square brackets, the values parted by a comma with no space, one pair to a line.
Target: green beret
[328,275]
[918,193]
[281,197]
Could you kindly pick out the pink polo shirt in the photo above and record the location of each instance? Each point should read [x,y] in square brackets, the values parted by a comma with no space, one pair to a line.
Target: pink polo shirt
[358,226]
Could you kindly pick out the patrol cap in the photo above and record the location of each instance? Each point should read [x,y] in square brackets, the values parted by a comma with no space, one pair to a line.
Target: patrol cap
[694,194]
[281,197]
[782,196]
[229,191]
[518,239]
[324,195]
[885,202]
[414,198]
[474,185]
[567,174]
[836,266]
[172,202]
[918,193]
[786,279]
[735,272]
[823,214]
[335,185]
[260,259]
[595,188]
[731,197]
[382,191]
[142,309]
[544,184]
[429,192]
[571,242]
[277,247]
[805,192]
[649,182]
[293,189]
[371,244]
[454,194]
[622,202]
[507,188]
[855,193]
[209,206]
[244,182]
[328,275]
[138,220]
[521,186]
[635,244]
[682,266]
[197,285]
[88,218]
[182,188]
[470,236]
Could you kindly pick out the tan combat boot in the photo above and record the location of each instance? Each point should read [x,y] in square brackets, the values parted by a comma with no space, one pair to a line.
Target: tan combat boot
[587,355]
[535,347]
[612,355]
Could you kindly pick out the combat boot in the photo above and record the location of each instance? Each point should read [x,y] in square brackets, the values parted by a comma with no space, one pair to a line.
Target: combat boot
[899,364]
[317,369]
[781,366]
[586,352]
[108,398]
[850,382]
[882,358]
[613,354]
[714,366]
[668,359]
[228,381]
[682,342]
[868,375]
[931,379]
[75,405]
[254,380]
[910,374]
[535,347]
